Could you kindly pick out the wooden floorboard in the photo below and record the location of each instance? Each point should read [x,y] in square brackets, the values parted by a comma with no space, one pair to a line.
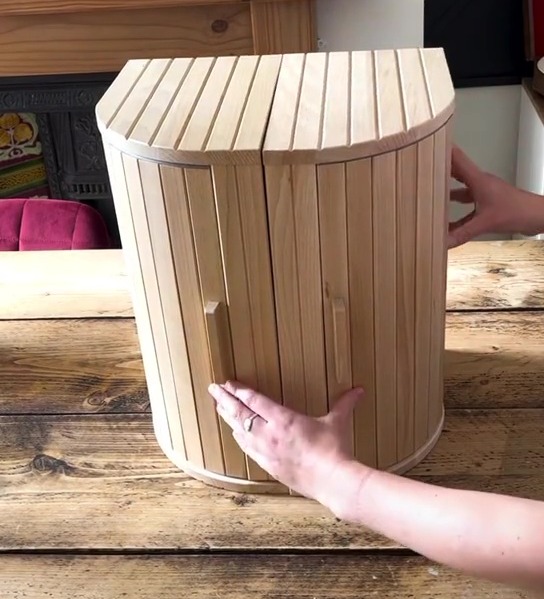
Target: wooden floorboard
[101,482]
[87,366]
[239,577]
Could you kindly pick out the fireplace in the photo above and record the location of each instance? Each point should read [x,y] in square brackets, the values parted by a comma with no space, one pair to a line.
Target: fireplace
[64,109]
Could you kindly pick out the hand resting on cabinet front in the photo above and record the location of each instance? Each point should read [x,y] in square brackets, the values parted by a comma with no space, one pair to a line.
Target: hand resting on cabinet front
[491,536]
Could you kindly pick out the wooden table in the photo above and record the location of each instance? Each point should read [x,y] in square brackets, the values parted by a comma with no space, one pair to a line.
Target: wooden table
[47,37]
[91,509]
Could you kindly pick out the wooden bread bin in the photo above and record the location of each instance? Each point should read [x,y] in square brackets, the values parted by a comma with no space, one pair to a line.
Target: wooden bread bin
[284,223]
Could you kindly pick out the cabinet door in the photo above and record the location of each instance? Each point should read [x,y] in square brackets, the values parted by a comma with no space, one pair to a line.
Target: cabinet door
[293,213]
[243,257]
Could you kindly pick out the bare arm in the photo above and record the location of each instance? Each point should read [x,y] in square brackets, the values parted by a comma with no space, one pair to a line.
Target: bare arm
[490,536]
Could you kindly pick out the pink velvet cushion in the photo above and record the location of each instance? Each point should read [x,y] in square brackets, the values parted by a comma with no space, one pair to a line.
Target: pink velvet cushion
[36,224]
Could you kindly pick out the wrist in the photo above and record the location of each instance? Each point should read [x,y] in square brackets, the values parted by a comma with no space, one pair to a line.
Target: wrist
[344,493]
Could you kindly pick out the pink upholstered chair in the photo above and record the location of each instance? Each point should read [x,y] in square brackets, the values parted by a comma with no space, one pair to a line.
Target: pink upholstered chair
[36,224]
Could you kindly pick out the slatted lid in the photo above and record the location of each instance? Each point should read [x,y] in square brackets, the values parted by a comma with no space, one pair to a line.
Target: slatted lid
[346,105]
[309,108]
[197,111]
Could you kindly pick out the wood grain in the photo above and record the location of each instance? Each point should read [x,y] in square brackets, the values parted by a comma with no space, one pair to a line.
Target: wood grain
[335,272]
[284,27]
[372,103]
[39,7]
[80,366]
[361,291]
[103,483]
[423,284]
[384,222]
[496,275]
[64,284]
[59,366]
[407,332]
[85,42]
[494,359]
[271,576]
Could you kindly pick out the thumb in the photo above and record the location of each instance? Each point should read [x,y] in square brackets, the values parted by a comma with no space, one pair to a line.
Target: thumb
[466,229]
[344,406]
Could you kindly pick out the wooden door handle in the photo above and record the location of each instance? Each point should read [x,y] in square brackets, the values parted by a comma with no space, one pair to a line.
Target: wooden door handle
[219,342]
[340,334]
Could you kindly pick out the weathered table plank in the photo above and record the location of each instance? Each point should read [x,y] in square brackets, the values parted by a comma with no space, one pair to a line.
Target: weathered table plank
[101,482]
[494,275]
[81,366]
[495,359]
[239,577]
[54,366]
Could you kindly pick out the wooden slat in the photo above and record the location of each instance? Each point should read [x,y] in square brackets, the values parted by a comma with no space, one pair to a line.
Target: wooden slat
[63,284]
[423,292]
[439,260]
[361,291]
[407,243]
[497,275]
[78,366]
[101,482]
[239,577]
[385,291]
[335,272]
[86,42]
[293,222]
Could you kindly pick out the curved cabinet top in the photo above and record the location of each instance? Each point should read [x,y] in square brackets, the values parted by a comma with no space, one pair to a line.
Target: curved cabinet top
[296,108]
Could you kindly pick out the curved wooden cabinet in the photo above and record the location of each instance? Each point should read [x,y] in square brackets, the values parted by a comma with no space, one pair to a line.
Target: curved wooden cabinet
[284,219]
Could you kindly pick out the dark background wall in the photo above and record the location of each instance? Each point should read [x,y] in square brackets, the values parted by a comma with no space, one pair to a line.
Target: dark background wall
[483,40]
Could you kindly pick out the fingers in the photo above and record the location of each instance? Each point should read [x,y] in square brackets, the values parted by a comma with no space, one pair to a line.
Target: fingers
[463,168]
[466,229]
[343,409]
[461,196]
[256,402]
[233,411]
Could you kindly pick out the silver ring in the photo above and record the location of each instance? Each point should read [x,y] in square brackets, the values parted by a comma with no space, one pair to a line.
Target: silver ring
[248,422]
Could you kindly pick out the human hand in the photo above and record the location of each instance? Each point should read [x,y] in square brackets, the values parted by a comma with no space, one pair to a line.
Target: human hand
[299,451]
[498,206]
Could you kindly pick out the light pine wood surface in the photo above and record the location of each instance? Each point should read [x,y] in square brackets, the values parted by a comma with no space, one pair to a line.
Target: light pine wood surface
[90,36]
[85,488]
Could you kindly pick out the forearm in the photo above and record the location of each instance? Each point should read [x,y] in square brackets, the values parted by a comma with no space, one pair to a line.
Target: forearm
[490,536]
